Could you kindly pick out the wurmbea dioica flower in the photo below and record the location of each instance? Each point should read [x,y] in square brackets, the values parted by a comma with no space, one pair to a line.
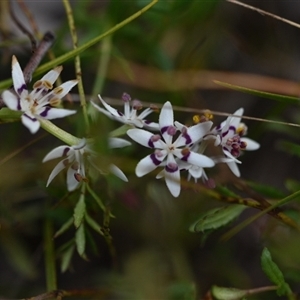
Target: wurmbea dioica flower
[130,115]
[40,102]
[230,136]
[169,153]
[78,158]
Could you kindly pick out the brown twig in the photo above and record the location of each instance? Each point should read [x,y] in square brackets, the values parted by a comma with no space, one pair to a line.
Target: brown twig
[38,55]
[22,27]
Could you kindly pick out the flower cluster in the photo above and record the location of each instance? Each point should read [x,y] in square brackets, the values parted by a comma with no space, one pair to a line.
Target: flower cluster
[41,102]
[77,158]
[178,147]
[175,147]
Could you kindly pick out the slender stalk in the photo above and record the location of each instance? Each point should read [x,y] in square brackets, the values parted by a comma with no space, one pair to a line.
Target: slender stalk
[59,133]
[51,280]
[263,12]
[77,62]
[248,221]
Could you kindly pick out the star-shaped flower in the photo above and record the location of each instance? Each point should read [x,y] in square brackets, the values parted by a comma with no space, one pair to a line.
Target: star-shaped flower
[230,136]
[40,102]
[77,158]
[130,115]
[168,152]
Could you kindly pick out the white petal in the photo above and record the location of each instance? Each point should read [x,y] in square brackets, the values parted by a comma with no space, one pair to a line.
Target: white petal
[146,165]
[58,168]
[57,152]
[31,123]
[193,134]
[108,114]
[117,143]
[173,182]
[196,172]
[52,75]
[11,100]
[141,136]
[18,78]
[72,183]
[251,145]
[110,109]
[63,89]
[166,116]
[234,168]
[200,160]
[235,121]
[54,113]
[118,172]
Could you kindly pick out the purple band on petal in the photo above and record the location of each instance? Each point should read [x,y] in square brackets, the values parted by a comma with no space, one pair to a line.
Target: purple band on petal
[164,129]
[45,112]
[150,144]
[120,113]
[171,170]
[155,160]
[186,157]
[232,128]
[147,122]
[21,89]
[32,119]
[187,137]
[66,150]
[19,104]
[225,133]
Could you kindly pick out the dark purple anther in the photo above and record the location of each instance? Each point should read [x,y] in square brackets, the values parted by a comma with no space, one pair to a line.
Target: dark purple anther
[126,97]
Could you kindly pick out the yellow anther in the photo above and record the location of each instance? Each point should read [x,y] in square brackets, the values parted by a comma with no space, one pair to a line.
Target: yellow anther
[55,101]
[208,115]
[47,84]
[58,90]
[38,84]
[196,119]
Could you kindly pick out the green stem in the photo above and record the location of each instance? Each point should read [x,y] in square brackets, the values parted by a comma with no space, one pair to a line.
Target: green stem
[59,133]
[51,280]
[77,62]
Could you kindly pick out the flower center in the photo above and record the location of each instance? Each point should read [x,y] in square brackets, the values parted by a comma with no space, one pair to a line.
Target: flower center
[234,145]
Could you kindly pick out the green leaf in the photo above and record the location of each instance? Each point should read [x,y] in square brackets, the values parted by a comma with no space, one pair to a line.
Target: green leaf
[290,148]
[80,240]
[266,190]
[225,192]
[274,273]
[182,291]
[79,211]
[292,185]
[90,221]
[277,97]
[64,228]
[223,293]
[217,217]
[66,258]
[7,115]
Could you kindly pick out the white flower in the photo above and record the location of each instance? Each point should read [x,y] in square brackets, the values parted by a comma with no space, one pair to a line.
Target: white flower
[229,135]
[76,159]
[38,103]
[130,115]
[167,153]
